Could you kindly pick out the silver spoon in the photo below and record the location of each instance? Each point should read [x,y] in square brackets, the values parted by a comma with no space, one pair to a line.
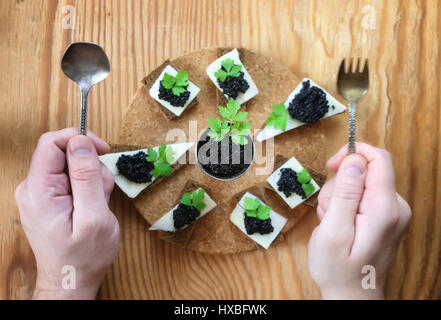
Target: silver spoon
[86,64]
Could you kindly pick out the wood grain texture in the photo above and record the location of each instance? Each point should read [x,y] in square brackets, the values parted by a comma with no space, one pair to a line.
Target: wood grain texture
[400,113]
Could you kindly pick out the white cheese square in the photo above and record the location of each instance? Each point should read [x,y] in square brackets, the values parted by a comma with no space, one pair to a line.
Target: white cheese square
[265,240]
[166,222]
[291,123]
[130,188]
[251,92]
[294,199]
[154,92]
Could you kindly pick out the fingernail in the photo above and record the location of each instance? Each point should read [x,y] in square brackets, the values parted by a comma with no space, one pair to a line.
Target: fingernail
[80,146]
[355,167]
[332,157]
[330,160]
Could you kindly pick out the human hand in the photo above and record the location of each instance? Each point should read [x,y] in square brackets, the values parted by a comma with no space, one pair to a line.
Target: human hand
[362,220]
[65,216]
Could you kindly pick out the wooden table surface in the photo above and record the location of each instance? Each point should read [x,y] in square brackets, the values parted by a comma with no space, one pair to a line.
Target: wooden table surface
[400,113]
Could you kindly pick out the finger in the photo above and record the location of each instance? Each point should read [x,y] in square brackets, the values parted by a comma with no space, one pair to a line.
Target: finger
[381,175]
[379,228]
[320,213]
[86,179]
[405,214]
[347,193]
[108,181]
[49,156]
[59,185]
[334,162]
[324,197]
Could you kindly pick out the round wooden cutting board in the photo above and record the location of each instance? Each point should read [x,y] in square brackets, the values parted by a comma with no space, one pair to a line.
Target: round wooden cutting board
[146,125]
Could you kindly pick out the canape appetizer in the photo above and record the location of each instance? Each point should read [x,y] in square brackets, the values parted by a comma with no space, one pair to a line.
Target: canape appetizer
[224,150]
[193,205]
[230,76]
[293,183]
[257,220]
[136,170]
[173,91]
[307,104]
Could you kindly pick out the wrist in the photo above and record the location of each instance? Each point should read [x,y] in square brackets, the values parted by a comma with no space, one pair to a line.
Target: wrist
[50,290]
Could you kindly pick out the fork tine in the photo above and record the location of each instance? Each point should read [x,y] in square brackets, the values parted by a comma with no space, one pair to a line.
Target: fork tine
[356,64]
[366,66]
[360,65]
[341,70]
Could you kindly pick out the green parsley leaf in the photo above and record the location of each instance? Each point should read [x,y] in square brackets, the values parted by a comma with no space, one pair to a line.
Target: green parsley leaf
[178,90]
[168,81]
[303,176]
[186,199]
[215,124]
[233,107]
[254,208]
[199,206]
[182,79]
[231,70]
[308,188]
[263,212]
[227,64]
[235,123]
[251,203]
[218,129]
[177,84]
[278,118]
[230,111]
[152,155]
[224,112]
[221,75]
[198,195]
[235,70]
[240,140]
[241,116]
[169,155]
[161,160]
[195,199]
[161,169]
[239,131]
[213,135]
[161,151]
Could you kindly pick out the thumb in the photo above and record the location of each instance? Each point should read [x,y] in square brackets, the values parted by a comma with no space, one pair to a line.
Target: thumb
[348,191]
[85,176]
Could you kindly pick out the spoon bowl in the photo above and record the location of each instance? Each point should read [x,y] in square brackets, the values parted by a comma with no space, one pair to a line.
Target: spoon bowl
[86,64]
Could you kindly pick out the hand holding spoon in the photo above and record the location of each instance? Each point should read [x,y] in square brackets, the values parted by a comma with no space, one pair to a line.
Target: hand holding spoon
[86,64]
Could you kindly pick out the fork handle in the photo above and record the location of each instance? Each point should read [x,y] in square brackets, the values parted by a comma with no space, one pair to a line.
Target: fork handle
[352,113]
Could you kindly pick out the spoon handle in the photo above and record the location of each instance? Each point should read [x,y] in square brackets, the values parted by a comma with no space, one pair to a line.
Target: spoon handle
[83,115]
[352,115]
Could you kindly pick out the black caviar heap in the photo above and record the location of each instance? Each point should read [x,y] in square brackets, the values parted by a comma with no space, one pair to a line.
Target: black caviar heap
[136,168]
[169,96]
[228,169]
[233,85]
[184,215]
[288,183]
[253,225]
[309,105]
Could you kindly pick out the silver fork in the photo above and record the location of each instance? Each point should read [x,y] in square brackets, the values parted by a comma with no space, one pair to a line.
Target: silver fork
[352,86]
